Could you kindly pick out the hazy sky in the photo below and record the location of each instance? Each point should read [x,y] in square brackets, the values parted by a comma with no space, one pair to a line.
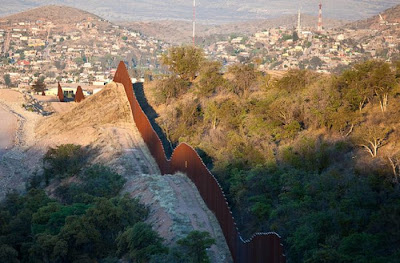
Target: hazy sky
[210,10]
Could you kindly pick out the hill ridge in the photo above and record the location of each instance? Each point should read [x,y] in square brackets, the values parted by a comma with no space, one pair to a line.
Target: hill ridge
[390,15]
[52,13]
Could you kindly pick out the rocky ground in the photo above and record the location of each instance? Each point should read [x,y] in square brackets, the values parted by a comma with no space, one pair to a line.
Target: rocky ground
[104,123]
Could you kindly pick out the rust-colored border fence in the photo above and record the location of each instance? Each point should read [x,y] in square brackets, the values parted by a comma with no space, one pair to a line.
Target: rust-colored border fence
[79,94]
[262,247]
[60,93]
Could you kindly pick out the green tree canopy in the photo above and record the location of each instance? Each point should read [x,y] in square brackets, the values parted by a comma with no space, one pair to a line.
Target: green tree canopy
[139,243]
[7,80]
[244,78]
[184,61]
[195,245]
[39,86]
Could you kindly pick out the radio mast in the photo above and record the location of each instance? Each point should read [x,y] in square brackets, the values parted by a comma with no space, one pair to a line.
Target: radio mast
[320,18]
[299,23]
[194,22]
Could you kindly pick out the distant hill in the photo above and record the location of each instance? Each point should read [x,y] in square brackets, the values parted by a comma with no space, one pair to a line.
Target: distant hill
[52,13]
[178,32]
[216,11]
[391,15]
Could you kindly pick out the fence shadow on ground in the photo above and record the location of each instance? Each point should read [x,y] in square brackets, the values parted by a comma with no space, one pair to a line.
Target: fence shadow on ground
[152,115]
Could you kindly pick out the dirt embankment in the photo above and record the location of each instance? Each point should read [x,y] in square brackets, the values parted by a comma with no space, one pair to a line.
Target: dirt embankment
[8,129]
[18,130]
[104,123]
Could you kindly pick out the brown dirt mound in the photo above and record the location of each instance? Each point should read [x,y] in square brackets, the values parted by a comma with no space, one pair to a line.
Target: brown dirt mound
[109,106]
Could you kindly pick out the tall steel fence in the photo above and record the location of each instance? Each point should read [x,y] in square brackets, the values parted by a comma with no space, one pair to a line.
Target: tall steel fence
[60,93]
[262,247]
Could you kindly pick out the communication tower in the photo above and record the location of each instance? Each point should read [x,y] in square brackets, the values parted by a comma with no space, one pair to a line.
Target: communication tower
[320,18]
[194,22]
[299,23]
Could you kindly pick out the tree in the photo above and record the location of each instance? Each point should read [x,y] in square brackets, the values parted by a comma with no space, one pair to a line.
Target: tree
[315,62]
[371,138]
[244,77]
[60,65]
[184,61]
[396,64]
[366,80]
[171,87]
[8,254]
[7,80]
[394,161]
[64,161]
[295,36]
[195,245]
[384,81]
[211,114]
[101,181]
[296,80]
[210,78]
[139,243]
[39,86]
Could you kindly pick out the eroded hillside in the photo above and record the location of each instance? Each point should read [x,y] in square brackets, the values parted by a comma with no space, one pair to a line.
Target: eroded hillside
[104,124]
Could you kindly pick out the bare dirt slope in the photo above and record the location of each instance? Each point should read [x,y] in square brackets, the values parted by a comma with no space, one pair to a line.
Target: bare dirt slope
[18,127]
[104,122]
[8,127]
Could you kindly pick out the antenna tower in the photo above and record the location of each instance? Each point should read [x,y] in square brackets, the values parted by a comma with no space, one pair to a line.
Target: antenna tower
[320,18]
[299,24]
[194,22]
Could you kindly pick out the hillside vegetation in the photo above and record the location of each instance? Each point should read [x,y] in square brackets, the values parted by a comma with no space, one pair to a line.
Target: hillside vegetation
[73,212]
[313,157]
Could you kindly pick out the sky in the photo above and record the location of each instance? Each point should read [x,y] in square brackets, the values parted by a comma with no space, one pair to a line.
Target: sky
[217,11]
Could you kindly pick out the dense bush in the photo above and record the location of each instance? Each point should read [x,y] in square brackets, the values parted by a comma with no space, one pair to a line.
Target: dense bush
[64,161]
[88,222]
[139,242]
[83,225]
[169,88]
[95,181]
[190,249]
[313,157]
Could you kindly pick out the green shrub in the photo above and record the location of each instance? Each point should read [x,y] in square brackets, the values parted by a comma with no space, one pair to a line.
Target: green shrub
[195,245]
[169,88]
[64,161]
[139,243]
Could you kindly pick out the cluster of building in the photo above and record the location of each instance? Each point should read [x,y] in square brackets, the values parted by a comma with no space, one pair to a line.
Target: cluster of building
[326,50]
[320,49]
[87,52]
